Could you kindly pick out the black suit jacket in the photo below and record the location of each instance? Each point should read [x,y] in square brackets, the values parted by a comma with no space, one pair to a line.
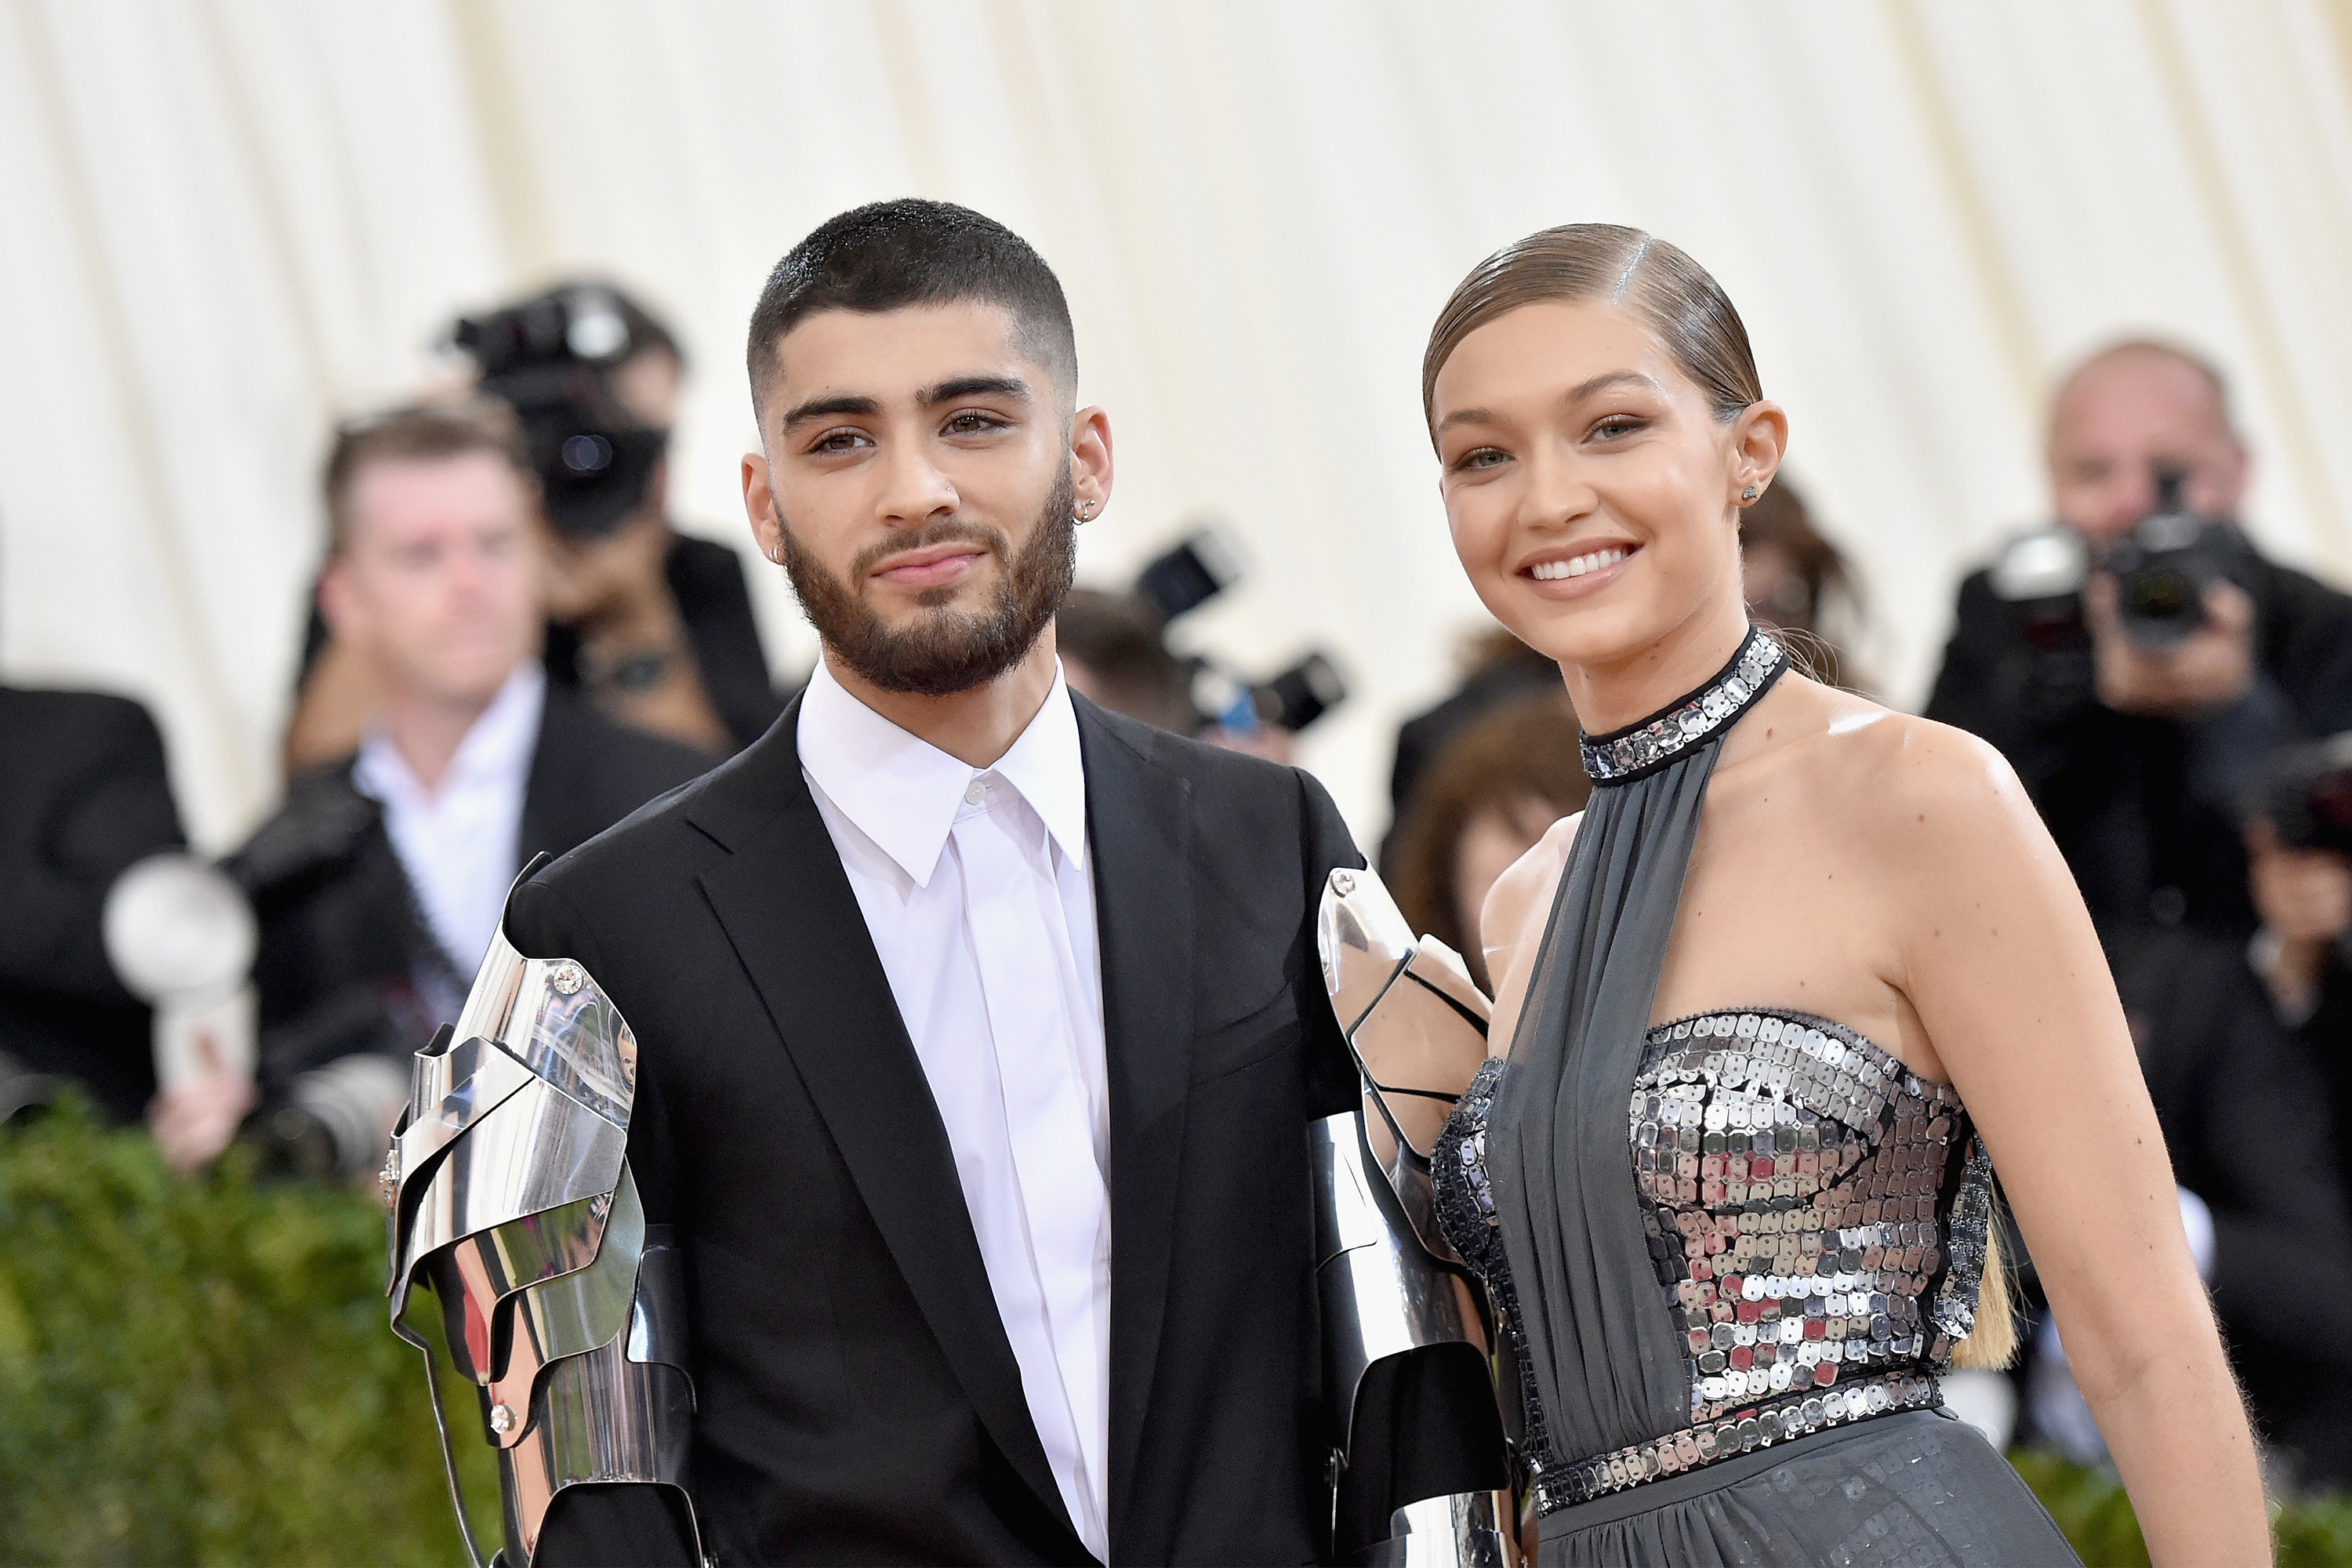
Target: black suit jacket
[83,794]
[857,1399]
[342,941]
[2148,840]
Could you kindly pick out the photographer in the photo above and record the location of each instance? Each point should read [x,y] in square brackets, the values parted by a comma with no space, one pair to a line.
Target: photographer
[2137,664]
[2299,843]
[83,796]
[655,625]
[379,882]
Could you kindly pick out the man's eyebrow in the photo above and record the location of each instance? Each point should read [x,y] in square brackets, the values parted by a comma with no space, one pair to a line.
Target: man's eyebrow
[826,407]
[947,391]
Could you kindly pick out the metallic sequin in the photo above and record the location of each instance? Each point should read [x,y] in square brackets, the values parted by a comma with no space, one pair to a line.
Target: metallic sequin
[1819,1219]
[1645,748]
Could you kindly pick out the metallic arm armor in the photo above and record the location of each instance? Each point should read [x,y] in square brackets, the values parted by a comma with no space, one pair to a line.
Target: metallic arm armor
[512,1204]
[1391,1283]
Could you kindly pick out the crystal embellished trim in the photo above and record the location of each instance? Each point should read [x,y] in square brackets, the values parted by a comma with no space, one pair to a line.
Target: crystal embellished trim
[1624,755]
[1704,1445]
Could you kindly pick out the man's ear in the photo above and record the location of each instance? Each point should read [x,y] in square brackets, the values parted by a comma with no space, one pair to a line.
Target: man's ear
[1090,459]
[759,507]
[338,601]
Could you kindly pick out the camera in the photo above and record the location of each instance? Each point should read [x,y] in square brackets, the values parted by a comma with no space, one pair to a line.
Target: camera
[1195,571]
[2307,795]
[547,357]
[2163,566]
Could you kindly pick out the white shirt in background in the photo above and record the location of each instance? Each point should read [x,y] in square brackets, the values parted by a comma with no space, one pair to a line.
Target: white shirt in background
[459,843]
[978,892]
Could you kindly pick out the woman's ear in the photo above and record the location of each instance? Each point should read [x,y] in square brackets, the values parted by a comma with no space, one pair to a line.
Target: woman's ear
[1759,437]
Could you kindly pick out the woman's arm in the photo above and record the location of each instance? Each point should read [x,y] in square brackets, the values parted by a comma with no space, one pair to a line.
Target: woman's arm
[1511,925]
[1998,959]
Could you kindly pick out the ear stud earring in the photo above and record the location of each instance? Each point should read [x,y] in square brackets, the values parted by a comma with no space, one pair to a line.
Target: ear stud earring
[1750,493]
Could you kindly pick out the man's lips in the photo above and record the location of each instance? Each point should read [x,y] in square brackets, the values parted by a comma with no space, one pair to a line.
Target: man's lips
[934,567]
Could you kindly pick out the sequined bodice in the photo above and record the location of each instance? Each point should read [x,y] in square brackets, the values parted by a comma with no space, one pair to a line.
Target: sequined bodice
[1816,1216]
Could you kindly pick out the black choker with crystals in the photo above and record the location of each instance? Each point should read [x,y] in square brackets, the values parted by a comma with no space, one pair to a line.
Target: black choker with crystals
[1638,750]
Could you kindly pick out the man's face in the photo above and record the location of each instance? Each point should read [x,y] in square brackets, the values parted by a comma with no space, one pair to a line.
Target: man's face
[2121,420]
[438,584]
[919,485]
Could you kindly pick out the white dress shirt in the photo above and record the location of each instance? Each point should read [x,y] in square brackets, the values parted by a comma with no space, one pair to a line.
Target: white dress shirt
[458,841]
[979,894]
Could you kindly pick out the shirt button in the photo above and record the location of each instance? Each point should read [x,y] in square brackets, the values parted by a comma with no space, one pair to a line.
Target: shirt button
[975,792]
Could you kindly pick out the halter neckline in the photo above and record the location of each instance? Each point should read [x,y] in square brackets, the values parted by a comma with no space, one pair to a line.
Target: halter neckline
[1644,747]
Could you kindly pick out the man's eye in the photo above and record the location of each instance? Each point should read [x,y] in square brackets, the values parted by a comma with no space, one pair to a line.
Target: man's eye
[839,441]
[973,423]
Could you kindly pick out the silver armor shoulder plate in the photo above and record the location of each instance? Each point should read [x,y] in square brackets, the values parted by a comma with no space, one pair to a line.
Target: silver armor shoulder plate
[513,1207]
[1390,1282]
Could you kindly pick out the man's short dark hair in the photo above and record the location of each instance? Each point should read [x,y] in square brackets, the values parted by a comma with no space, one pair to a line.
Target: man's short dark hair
[891,255]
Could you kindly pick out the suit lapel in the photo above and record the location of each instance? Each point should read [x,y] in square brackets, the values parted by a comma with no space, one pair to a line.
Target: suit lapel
[788,910]
[1138,822]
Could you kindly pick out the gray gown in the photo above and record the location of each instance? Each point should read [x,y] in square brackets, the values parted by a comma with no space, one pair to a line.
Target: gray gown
[1731,1253]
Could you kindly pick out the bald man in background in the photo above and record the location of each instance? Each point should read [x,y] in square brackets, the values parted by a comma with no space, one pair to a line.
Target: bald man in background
[2138,757]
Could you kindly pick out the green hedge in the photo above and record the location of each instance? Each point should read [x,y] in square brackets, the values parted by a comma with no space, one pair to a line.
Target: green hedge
[200,1373]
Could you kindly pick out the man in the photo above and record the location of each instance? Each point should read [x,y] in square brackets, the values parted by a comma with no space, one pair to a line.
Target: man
[83,796]
[379,882]
[978,1029]
[2137,756]
[655,625]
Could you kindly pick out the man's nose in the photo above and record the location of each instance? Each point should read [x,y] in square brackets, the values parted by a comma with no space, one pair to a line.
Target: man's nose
[914,490]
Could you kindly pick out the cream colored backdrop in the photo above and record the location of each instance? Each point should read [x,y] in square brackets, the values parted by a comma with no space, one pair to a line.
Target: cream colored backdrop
[222,222]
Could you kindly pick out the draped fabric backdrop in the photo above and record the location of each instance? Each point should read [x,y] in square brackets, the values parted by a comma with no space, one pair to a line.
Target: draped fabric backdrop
[224,222]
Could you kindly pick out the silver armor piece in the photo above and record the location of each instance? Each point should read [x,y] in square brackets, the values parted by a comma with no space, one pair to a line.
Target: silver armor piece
[512,1202]
[1390,1283]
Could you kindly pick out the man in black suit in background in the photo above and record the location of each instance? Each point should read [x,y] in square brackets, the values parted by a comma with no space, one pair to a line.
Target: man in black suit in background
[83,796]
[378,884]
[979,1030]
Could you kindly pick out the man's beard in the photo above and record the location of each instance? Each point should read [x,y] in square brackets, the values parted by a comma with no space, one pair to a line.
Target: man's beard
[944,651]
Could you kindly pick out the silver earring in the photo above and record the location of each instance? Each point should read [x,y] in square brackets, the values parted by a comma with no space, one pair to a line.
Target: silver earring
[1750,493]
[1085,512]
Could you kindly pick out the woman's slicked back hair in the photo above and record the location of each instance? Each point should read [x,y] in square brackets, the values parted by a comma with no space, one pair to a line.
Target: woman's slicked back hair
[1638,272]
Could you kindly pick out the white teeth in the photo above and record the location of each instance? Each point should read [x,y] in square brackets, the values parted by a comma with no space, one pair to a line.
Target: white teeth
[1577,567]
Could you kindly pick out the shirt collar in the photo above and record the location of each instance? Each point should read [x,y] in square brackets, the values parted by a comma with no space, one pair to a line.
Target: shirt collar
[904,793]
[498,745]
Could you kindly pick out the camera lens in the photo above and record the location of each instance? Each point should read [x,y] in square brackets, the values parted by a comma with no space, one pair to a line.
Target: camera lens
[2160,593]
[587,455]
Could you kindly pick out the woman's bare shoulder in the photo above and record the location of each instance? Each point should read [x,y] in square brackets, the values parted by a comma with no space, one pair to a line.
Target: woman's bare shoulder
[1900,784]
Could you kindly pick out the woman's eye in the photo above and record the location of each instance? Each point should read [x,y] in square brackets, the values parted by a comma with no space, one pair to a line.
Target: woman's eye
[1616,424]
[1479,458]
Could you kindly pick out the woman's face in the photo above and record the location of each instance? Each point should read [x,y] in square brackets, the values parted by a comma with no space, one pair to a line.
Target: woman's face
[1590,489]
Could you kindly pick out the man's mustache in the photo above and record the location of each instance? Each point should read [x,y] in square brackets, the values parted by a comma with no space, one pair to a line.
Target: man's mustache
[952,530]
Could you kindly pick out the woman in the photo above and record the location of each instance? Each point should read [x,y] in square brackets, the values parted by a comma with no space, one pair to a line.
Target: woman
[1820,960]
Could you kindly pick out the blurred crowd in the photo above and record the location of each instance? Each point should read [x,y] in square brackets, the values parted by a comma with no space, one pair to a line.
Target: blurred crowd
[509,648]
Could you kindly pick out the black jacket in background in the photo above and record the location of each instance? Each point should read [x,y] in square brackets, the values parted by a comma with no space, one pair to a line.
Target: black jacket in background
[83,794]
[857,1399]
[341,938]
[2249,1120]
[706,578]
[2151,838]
